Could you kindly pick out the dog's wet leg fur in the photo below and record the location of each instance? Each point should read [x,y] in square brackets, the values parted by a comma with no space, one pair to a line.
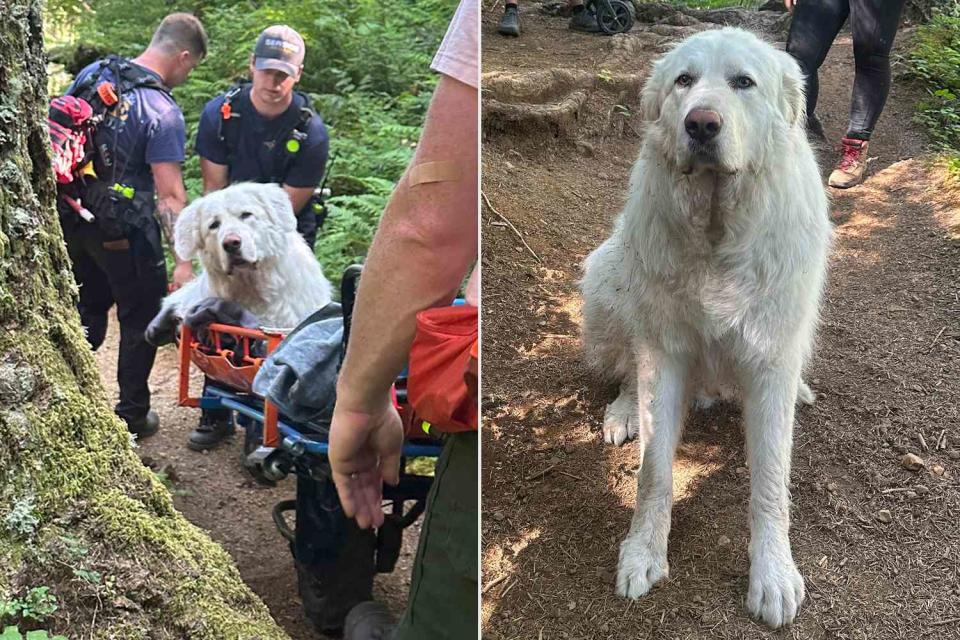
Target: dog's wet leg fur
[643,553]
[776,588]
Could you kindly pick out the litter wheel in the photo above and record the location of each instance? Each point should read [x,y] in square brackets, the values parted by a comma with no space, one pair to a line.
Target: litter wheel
[617,19]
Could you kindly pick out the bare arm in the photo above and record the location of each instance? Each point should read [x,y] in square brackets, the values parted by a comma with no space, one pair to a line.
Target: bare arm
[424,245]
[298,196]
[215,176]
[171,199]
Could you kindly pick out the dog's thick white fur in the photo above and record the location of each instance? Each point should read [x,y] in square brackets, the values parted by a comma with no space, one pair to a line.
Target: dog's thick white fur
[711,280]
[270,270]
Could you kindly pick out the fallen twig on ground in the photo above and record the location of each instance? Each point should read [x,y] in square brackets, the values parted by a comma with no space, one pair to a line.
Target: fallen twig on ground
[510,224]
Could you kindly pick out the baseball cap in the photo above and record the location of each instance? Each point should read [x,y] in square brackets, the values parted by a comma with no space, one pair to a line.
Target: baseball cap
[279,47]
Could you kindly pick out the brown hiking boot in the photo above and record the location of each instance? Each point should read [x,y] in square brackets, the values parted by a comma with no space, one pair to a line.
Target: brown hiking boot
[849,172]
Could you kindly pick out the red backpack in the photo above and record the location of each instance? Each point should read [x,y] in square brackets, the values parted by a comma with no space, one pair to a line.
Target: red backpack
[70,123]
[73,121]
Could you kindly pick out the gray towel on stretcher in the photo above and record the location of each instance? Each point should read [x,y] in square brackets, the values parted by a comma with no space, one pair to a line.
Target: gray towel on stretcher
[300,376]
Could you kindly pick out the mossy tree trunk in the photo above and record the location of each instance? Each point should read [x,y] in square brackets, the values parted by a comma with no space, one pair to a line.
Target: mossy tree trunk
[79,513]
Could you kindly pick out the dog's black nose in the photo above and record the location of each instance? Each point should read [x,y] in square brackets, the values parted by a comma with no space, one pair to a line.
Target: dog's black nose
[231,244]
[703,125]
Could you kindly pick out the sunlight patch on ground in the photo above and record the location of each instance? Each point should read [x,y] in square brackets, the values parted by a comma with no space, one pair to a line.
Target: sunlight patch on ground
[946,200]
[498,561]
[562,305]
[862,225]
[690,468]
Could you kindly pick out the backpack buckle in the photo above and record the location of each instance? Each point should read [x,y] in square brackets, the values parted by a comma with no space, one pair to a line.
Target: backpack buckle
[123,190]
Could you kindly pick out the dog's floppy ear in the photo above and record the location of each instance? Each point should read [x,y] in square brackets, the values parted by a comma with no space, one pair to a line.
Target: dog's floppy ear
[276,204]
[793,101]
[651,96]
[188,239]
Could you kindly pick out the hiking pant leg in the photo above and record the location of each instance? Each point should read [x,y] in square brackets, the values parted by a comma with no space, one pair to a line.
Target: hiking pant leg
[815,25]
[138,281]
[96,297]
[874,26]
[443,602]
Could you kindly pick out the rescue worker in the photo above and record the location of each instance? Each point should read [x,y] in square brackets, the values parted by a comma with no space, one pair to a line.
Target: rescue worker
[263,131]
[135,181]
[425,244]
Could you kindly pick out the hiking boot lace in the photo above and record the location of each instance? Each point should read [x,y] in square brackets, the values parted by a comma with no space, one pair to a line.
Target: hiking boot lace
[851,155]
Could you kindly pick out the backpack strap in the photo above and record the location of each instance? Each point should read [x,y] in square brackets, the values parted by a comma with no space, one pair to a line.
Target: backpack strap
[133,76]
[236,102]
[231,112]
[104,96]
[291,141]
[86,89]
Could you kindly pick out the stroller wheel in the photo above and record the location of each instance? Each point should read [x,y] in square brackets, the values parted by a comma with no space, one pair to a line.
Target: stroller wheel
[618,18]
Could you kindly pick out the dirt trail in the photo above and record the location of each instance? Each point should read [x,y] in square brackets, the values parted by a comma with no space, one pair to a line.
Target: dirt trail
[560,135]
[217,495]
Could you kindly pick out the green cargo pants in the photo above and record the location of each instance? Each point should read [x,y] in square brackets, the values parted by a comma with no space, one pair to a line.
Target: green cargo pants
[443,602]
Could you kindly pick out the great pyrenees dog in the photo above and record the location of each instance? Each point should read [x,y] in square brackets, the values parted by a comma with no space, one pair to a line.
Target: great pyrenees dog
[710,283]
[246,238]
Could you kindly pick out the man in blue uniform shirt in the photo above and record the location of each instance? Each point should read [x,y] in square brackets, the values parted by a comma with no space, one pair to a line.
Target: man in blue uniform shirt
[118,257]
[267,132]
[263,131]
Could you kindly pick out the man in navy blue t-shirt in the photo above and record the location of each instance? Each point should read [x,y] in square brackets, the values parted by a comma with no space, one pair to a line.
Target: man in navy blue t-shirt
[144,146]
[267,133]
[263,131]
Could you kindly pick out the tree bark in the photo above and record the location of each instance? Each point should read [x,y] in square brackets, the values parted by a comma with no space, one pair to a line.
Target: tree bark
[79,512]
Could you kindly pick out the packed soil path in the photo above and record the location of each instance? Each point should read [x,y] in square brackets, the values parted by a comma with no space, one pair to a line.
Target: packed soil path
[560,135]
[214,492]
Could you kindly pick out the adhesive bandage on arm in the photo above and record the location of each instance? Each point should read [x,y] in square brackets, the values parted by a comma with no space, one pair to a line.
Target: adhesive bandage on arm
[439,171]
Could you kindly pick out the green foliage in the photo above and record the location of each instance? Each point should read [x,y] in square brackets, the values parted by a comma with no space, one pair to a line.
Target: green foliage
[350,225]
[167,482]
[13,633]
[22,519]
[37,605]
[77,553]
[367,69]
[935,61]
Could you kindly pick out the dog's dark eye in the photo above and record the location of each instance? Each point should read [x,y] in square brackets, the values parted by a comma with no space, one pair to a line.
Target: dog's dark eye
[215,224]
[743,82]
[684,80]
[245,215]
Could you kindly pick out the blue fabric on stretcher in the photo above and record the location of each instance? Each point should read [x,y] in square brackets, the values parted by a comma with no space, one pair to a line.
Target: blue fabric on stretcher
[300,376]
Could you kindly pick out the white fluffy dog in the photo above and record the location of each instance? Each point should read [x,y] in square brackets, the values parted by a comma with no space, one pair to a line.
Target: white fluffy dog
[711,281]
[246,238]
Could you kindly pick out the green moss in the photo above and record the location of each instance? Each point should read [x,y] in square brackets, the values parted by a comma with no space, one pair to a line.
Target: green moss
[61,444]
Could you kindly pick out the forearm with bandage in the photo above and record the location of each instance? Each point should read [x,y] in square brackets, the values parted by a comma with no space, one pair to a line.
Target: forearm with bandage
[425,244]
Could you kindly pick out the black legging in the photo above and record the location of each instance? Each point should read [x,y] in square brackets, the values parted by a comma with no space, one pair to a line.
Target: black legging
[874,26]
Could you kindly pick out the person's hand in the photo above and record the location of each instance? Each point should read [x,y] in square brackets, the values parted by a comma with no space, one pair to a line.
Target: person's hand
[182,274]
[364,453]
[789,4]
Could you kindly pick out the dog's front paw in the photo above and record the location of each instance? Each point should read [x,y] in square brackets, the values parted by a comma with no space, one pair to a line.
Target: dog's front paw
[641,566]
[805,394]
[620,421]
[776,589]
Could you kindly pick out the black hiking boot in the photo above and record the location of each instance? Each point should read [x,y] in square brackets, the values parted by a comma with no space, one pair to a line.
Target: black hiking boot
[584,20]
[368,621]
[210,432]
[815,130]
[510,22]
[144,427]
